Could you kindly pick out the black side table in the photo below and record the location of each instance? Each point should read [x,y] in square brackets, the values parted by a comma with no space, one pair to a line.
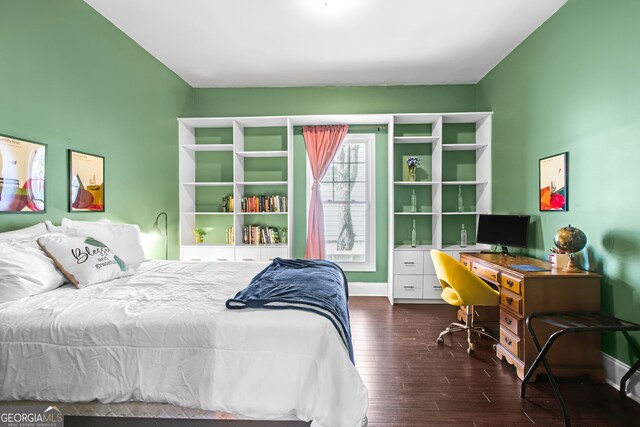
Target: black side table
[577,321]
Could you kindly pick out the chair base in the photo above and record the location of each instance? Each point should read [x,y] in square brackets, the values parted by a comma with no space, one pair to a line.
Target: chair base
[469,328]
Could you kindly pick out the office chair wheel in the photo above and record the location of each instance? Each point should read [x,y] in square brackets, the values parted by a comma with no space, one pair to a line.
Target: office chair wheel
[470,351]
[495,347]
[440,341]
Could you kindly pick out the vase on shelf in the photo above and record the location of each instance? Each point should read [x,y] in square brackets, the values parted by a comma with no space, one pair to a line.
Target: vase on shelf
[460,201]
[414,238]
[412,173]
[414,201]
[463,237]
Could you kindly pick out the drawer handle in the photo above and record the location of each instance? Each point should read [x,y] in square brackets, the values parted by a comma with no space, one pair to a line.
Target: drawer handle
[438,288]
[508,341]
[465,263]
[195,259]
[510,283]
[248,259]
[475,268]
[221,259]
[508,321]
[409,263]
[409,287]
[509,300]
[493,276]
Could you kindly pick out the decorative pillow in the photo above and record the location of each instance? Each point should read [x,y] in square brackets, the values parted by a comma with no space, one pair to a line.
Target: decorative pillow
[85,261]
[123,239]
[25,233]
[25,270]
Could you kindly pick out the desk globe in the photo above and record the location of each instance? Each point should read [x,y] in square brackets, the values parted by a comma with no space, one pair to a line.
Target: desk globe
[570,240]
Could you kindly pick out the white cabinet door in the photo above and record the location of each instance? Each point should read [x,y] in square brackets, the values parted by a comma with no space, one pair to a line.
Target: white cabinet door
[247,254]
[268,254]
[407,286]
[408,262]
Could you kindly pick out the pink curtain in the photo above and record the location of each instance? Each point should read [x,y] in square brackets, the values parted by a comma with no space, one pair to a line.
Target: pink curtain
[322,144]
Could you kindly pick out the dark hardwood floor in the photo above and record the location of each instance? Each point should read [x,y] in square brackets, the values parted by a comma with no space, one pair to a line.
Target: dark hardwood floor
[414,382]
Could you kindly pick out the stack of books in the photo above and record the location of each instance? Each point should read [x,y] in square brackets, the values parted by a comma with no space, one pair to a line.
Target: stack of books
[264,204]
[258,235]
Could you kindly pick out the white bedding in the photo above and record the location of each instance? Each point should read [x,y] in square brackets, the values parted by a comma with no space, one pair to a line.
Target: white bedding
[164,335]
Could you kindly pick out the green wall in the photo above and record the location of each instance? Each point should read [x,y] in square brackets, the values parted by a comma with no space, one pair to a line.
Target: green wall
[338,100]
[573,86]
[71,79]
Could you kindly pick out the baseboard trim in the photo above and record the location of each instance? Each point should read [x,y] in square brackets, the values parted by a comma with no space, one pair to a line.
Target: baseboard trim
[614,370]
[367,289]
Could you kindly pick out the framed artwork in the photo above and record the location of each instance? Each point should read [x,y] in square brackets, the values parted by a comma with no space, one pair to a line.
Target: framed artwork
[553,183]
[86,182]
[22,175]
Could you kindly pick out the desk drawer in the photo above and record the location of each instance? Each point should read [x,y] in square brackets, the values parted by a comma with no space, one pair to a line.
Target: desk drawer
[510,342]
[511,283]
[510,322]
[486,272]
[407,286]
[511,302]
[408,262]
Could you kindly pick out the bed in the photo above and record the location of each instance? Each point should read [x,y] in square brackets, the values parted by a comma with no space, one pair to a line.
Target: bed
[164,336]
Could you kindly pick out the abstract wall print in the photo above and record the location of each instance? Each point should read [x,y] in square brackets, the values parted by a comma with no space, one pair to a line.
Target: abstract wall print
[554,186]
[22,175]
[86,182]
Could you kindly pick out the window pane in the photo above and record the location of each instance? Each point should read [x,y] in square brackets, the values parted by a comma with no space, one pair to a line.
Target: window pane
[346,232]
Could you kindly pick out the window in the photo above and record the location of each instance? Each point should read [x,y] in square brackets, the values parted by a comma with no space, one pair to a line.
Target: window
[348,199]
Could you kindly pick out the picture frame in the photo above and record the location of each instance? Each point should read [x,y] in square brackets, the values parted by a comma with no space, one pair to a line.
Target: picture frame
[86,186]
[22,175]
[553,183]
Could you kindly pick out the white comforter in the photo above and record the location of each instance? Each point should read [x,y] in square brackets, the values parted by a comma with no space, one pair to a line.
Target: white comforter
[164,335]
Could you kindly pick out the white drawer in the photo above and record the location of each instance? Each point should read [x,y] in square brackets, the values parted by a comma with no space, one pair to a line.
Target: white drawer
[408,262]
[206,253]
[247,254]
[428,264]
[431,287]
[268,254]
[407,286]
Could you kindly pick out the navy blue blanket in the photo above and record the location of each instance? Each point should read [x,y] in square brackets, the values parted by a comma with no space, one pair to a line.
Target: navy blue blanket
[316,286]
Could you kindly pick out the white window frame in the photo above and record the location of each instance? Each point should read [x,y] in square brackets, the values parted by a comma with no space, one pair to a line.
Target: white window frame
[370,256]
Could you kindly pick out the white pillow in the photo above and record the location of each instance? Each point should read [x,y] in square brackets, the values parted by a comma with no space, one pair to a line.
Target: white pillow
[123,239]
[85,261]
[52,228]
[25,270]
[25,233]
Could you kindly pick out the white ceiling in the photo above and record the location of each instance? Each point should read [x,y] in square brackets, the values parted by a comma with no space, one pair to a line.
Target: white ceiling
[256,43]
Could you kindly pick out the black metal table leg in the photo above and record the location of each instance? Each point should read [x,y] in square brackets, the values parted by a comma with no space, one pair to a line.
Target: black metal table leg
[635,367]
[576,322]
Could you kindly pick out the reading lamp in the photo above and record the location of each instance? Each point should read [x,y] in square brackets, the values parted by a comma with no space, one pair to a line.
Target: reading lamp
[156,230]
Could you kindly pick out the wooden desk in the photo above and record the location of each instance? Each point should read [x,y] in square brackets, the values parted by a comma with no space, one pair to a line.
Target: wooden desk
[522,293]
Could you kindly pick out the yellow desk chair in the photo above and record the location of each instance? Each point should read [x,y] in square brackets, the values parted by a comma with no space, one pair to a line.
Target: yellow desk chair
[460,287]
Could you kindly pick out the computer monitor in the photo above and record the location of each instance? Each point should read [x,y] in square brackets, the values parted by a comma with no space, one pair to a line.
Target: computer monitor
[503,230]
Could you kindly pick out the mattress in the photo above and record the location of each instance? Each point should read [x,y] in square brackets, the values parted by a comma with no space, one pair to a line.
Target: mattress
[164,336]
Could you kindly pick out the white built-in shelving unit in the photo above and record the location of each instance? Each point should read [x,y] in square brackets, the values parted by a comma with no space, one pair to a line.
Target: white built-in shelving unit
[456,153]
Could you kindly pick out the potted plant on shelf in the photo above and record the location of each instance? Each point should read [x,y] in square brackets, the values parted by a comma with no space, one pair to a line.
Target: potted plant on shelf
[412,163]
[199,233]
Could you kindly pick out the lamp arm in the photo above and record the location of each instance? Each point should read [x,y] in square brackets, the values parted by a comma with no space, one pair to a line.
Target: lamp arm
[166,232]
